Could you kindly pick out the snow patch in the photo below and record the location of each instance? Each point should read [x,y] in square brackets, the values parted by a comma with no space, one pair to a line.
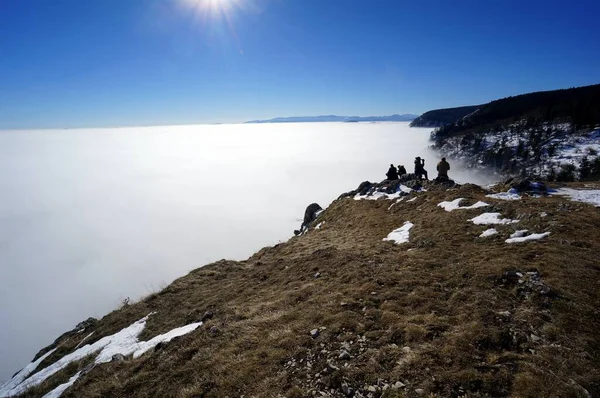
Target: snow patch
[84,339]
[488,232]
[520,233]
[124,342]
[591,196]
[491,218]
[455,204]
[526,238]
[164,338]
[378,195]
[57,392]
[504,196]
[319,225]
[412,200]
[395,203]
[400,235]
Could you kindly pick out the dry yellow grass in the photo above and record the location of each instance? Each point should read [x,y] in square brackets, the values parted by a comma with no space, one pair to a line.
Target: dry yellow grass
[434,314]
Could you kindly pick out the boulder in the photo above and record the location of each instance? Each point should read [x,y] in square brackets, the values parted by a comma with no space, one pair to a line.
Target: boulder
[362,189]
[207,315]
[86,324]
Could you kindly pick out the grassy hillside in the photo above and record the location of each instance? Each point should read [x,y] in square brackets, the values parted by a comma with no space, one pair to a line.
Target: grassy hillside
[437,316]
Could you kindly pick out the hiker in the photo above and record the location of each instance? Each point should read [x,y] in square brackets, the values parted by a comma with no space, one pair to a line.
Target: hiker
[401,170]
[392,173]
[442,169]
[312,212]
[420,168]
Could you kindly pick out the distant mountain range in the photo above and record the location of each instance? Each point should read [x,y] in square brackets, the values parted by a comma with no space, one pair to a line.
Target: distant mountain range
[334,118]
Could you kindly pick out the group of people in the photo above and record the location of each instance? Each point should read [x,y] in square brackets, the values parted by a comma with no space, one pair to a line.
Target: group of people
[442,168]
[313,210]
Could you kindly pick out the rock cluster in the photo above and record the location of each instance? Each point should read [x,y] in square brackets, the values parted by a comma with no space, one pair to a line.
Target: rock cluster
[322,370]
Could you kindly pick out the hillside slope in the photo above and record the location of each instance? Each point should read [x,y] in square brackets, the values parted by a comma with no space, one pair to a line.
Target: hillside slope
[341,312]
[441,117]
[550,134]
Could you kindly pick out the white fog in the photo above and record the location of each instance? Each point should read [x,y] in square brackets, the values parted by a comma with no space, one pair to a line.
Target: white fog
[89,217]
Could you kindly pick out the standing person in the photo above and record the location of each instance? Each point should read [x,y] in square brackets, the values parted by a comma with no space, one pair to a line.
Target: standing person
[442,169]
[401,170]
[392,173]
[420,168]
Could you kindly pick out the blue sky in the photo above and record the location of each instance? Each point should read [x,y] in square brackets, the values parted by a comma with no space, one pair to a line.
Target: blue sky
[73,63]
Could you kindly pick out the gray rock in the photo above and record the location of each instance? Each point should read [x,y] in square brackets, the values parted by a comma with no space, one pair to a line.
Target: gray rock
[332,366]
[314,333]
[346,389]
[397,385]
[344,355]
[420,391]
[414,185]
[207,315]
[513,275]
[535,338]
[317,275]
[118,357]
[86,324]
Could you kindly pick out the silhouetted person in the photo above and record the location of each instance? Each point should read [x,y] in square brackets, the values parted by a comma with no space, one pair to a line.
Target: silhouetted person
[392,173]
[442,169]
[420,168]
[310,215]
[401,170]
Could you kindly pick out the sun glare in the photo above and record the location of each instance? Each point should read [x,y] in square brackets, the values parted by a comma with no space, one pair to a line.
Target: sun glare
[213,15]
[210,6]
